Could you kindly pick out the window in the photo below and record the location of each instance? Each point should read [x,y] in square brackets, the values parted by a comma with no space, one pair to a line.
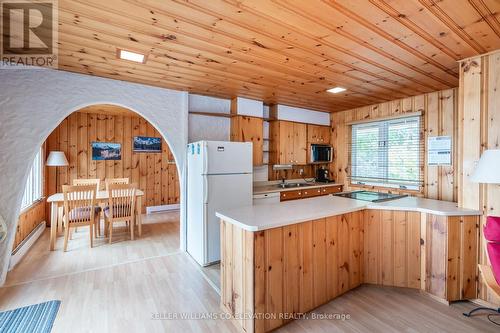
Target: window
[387,153]
[34,187]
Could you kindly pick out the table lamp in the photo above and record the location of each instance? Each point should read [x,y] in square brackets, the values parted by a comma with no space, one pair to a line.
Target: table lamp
[57,158]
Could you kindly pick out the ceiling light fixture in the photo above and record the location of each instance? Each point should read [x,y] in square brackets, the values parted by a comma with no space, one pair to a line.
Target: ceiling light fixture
[336,90]
[131,56]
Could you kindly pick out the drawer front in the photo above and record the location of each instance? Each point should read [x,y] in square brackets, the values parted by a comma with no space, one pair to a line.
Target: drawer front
[313,192]
[290,195]
[331,189]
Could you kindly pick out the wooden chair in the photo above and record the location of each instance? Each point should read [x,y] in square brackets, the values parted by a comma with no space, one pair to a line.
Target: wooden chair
[97,183]
[110,181]
[79,209]
[87,181]
[121,207]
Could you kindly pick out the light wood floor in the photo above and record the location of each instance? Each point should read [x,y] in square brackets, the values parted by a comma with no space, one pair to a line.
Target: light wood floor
[385,309]
[160,236]
[124,298]
[212,273]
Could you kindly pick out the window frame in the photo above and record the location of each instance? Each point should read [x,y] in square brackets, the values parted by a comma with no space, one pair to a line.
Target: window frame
[383,127]
[40,186]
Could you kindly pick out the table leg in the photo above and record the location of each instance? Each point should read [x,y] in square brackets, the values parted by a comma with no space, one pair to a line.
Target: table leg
[132,227]
[53,224]
[139,215]
[60,223]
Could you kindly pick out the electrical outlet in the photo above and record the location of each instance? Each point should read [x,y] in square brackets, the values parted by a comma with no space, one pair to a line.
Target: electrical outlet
[301,172]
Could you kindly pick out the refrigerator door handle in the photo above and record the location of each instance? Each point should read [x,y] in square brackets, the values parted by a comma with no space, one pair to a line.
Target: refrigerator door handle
[205,189]
[205,158]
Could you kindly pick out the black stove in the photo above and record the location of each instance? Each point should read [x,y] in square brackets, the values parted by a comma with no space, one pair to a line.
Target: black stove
[371,196]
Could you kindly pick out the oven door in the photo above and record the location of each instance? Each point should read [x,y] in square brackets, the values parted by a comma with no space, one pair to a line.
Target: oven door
[321,154]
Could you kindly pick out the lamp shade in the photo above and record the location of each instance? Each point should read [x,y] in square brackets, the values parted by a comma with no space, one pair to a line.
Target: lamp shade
[488,168]
[57,158]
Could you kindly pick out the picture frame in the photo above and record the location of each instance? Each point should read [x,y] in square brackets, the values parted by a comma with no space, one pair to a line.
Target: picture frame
[146,144]
[106,151]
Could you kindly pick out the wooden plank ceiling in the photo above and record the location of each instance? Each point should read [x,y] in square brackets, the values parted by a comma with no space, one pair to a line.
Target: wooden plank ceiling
[281,51]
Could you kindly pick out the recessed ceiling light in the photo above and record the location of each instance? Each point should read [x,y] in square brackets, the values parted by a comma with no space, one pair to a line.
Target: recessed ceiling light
[336,90]
[131,56]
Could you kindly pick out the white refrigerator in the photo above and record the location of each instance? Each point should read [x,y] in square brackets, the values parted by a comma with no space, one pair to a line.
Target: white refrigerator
[219,175]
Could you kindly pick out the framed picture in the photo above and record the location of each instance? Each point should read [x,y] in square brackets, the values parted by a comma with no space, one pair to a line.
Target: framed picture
[104,151]
[146,144]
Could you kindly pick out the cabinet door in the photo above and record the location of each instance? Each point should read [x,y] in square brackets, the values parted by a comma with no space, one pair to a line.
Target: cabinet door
[249,129]
[299,143]
[290,195]
[318,134]
[331,189]
[324,134]
[313,134]
[286,140]
[313,192]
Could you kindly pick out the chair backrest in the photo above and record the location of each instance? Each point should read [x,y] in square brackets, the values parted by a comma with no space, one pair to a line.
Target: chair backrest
[121,200]
[79,203]
[87,181]
[110,181]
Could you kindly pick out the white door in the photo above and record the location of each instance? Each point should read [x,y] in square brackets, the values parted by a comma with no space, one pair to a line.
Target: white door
[222,157]
[224,191]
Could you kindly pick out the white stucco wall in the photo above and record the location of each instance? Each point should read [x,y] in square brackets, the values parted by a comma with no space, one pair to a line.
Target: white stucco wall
[207,127]
[34,101]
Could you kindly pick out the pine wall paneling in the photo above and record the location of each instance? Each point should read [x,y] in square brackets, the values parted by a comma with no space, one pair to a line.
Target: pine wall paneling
[154,173]
[28,221]
[480,129]
[439,111]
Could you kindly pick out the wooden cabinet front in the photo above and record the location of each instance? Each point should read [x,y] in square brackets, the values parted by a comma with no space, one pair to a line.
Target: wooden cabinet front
[273,274]
[331,189]
[249,129]
[392,248]
[313,192]
[288,143]
[309,192]
[278,273]
[451,256]
[299,144]
[290,195]
[318,134]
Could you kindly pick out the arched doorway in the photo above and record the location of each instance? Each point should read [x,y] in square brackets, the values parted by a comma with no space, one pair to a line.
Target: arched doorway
[154,172]
[28,119]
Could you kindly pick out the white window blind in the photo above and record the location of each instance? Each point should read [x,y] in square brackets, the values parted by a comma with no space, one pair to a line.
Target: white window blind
[387,153]
[33,190]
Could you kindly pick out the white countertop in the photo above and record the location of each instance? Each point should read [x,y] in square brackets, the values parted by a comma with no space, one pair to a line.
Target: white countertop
[262,217]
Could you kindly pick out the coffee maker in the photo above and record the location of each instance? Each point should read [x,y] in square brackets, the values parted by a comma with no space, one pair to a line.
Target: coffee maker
[322,175]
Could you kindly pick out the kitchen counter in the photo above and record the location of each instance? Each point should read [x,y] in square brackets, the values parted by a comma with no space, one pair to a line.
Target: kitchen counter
[274,188]
[256,218]
[285,258]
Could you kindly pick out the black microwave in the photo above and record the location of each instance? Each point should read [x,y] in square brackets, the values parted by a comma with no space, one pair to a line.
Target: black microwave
[321,153]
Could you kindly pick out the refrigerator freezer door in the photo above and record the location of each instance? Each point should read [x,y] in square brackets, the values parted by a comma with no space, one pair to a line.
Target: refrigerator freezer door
[224,191]
[222,157]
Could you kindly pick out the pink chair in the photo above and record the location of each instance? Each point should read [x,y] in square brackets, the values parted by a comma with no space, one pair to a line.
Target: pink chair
[491,274]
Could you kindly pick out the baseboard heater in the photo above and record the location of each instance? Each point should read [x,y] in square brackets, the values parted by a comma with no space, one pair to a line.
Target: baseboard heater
[21,250]
[162,208]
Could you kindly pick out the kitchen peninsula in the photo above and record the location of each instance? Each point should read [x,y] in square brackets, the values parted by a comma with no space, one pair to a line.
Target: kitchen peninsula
[284,259]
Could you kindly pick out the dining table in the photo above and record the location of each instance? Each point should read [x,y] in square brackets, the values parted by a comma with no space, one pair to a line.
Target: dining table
[102,197]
